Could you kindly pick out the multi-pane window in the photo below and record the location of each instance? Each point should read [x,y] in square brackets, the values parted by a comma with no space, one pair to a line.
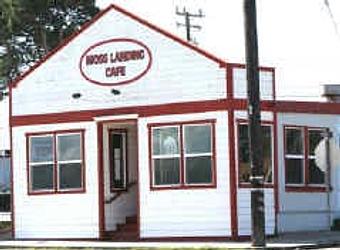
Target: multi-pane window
[55,162]
[182,154]
[301,167]
[244,171]
[197,153]
[316,174]
[294,155]
[69,161]
[41,162]
[166,155]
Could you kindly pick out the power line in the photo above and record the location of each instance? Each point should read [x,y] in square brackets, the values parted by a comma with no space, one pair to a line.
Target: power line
[187,24]
[331,15]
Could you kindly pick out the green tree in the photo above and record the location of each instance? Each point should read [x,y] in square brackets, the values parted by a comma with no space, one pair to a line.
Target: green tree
[9,13]
[31,28]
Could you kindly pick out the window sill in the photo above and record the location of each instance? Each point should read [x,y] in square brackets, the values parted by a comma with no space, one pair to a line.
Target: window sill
[306,189]
[183,187]
[77,191]
[248,185]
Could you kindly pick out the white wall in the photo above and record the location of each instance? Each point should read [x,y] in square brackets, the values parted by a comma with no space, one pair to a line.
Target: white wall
[244,211]
[306,210]
[240,84]
[243,194]
[126,204]
[177,74]
[198,212]
[4,124]
[56,215]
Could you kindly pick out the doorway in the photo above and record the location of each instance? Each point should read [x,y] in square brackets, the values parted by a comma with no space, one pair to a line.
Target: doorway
[119,175]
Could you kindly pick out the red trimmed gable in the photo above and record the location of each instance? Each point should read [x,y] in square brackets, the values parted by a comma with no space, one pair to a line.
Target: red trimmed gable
[117,49]
[88,24]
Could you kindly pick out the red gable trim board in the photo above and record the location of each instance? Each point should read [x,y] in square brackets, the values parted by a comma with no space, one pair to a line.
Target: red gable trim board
[221,62]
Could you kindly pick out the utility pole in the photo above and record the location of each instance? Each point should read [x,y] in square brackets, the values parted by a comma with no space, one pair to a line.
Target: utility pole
[255,131]
[187,24]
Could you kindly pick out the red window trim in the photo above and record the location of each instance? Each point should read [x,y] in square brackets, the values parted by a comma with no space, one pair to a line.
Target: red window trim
[123,131]
[305,186]
[306,189]
[265,123]
[55,170]
[182,184]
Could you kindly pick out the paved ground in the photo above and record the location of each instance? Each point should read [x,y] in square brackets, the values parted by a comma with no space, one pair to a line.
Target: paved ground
[323,237]
[301,240]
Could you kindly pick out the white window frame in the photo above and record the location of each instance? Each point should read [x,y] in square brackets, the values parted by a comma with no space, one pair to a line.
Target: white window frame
[313,157]
[31,164]
[59,162]
[55,163]
[193,155]
[305,156]
[295,156]
[167,156]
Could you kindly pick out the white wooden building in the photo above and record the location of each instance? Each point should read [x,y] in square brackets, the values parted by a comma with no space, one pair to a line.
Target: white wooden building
[126,131]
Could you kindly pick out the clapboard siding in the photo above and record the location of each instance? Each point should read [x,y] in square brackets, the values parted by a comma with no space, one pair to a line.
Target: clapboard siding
[199,212]
[243,115]
[56,215]
[240,84]
[244,211]
[177,74]
[303,221]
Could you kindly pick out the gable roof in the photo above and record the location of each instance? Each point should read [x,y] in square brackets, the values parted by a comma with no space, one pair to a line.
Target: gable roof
[88,24]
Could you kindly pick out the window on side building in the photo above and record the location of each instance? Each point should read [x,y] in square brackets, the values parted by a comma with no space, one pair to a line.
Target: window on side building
[301,168]
[294,155]
[316,175]
[5,197]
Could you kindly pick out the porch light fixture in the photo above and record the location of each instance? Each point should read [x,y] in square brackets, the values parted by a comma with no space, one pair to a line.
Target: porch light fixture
[115,91]
[76,95]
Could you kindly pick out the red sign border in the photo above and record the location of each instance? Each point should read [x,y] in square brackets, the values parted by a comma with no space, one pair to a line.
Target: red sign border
[129,40]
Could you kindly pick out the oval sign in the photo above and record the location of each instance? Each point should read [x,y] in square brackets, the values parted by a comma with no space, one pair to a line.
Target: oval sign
[115,62]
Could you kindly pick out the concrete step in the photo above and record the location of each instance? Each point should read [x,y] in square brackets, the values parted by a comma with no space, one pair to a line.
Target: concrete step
[127,227]
[124,232]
